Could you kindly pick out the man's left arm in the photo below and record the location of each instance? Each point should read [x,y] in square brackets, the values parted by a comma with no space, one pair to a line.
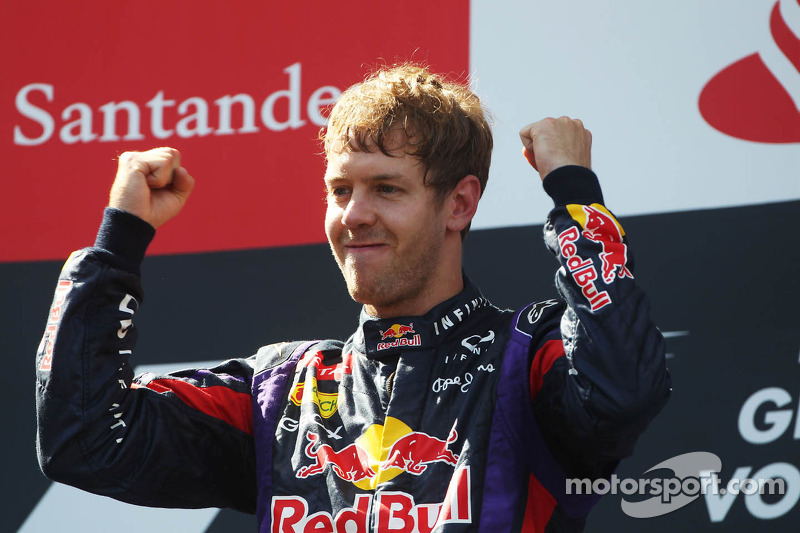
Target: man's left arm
[606,376]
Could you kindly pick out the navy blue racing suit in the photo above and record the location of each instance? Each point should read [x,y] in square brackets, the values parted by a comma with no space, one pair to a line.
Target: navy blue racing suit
[467,418]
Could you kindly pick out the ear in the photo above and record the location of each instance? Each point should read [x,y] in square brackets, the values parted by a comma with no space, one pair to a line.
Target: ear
[462,203]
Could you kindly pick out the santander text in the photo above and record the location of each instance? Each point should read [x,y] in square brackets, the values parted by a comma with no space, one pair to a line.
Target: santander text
[280,110]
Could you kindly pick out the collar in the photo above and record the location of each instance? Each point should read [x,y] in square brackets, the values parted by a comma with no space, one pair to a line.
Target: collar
[379,336]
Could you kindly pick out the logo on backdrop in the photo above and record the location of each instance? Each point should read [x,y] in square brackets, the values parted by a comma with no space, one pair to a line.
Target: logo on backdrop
[757,98]
[768,416]
[244,109]
[680,480]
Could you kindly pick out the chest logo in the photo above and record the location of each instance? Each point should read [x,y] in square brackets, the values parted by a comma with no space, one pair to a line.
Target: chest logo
[392,511]
[351,463]
[380,454]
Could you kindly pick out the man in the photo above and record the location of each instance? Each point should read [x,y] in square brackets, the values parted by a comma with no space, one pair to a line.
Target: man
[440,412]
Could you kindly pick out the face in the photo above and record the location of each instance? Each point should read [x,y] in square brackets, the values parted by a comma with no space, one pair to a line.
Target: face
[384,227]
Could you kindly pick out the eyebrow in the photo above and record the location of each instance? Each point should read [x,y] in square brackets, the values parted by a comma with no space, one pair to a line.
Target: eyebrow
[378,177]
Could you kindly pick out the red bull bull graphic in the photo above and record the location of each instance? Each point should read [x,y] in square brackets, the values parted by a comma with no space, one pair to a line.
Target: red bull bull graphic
[351,463]
[599,225]
[597,222]
[415,451]
[392,512]
[380,454]
[398,332]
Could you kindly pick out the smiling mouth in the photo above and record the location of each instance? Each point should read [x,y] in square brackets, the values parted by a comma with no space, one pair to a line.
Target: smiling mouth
[358,245]
[363,248]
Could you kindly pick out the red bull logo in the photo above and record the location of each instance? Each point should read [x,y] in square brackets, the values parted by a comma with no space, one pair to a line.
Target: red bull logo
[415,451]
[398,333]
[602,227]
[380,454]
[351,463]
[582,270]
[395,512]
[599,225]
[614,258]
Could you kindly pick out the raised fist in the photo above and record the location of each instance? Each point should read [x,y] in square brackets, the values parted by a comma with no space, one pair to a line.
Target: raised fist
[556,142]
[151,185]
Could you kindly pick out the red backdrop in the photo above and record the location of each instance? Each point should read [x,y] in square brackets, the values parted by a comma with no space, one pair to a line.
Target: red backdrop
[258,178]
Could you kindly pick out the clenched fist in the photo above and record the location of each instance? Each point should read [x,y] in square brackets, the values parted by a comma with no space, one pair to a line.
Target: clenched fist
[151,185]
[556,142]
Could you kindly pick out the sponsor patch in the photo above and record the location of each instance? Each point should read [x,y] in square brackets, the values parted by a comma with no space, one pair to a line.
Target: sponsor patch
[327,402]
[53,322]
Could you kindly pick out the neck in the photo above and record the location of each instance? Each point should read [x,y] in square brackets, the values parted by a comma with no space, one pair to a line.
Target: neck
[443,288]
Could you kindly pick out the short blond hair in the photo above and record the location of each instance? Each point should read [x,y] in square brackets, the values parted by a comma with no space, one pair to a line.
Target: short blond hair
[443,122]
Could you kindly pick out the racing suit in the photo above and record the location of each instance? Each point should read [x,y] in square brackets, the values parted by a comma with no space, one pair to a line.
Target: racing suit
[467,418]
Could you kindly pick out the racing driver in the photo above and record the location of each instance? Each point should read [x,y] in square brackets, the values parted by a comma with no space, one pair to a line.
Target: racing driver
[441,412]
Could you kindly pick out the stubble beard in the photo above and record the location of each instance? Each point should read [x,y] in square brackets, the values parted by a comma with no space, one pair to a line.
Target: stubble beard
[388,285]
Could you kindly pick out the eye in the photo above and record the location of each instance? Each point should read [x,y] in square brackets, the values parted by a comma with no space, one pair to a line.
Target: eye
[386,189]
[338,191]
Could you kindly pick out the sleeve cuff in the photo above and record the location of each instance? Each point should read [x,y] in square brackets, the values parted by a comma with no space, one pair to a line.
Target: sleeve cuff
[573,184]
[125,237]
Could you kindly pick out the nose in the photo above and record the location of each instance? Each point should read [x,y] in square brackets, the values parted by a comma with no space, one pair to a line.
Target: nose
[359,211]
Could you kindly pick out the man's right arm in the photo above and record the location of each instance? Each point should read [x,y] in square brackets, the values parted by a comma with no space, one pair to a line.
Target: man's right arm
[182,441]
